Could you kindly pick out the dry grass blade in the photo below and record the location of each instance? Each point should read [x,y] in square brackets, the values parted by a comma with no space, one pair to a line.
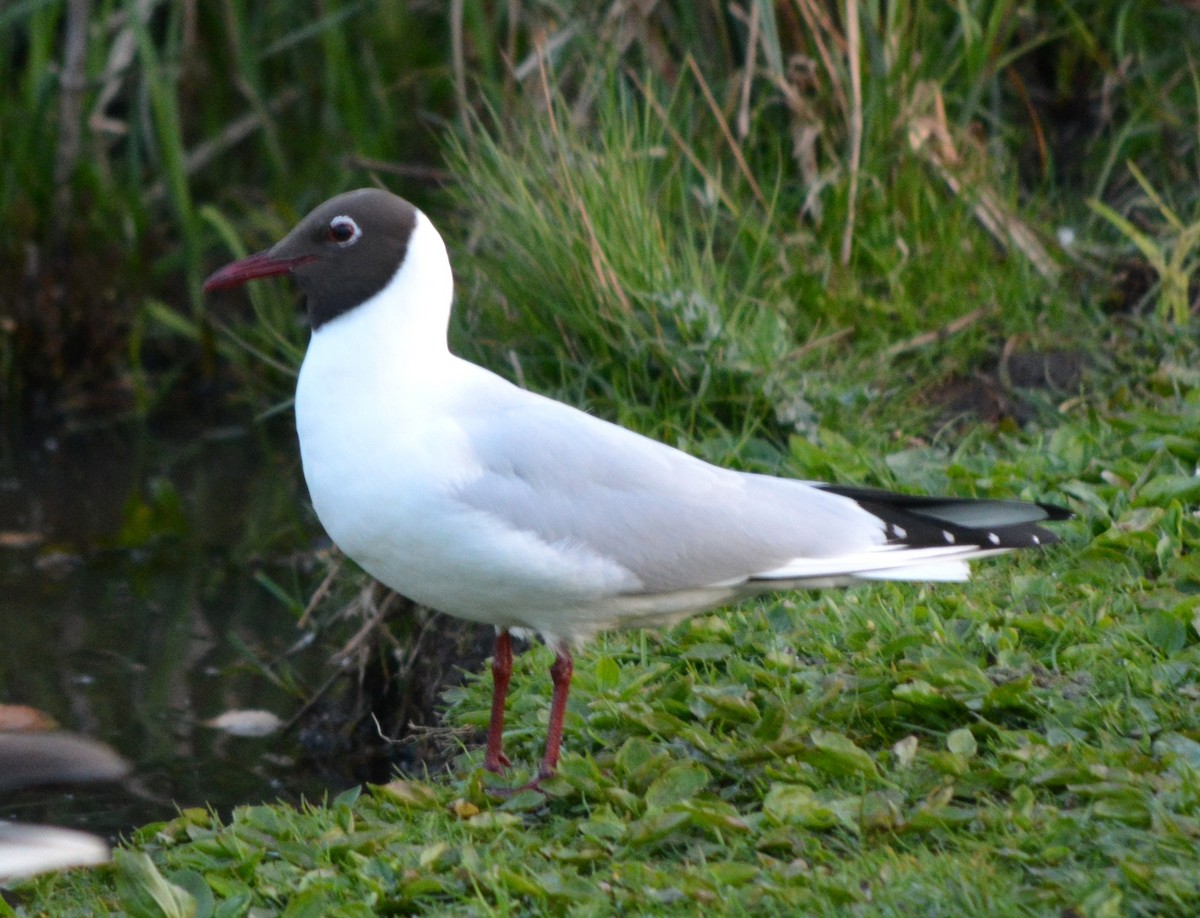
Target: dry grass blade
[819,25]
[743,117]
[604,271]
[734,148]
[1171,252]
[121,52]
[546,47]
[458,63]
[854,64]
[74,83]
[684,147]
[1031,112]
[929,138]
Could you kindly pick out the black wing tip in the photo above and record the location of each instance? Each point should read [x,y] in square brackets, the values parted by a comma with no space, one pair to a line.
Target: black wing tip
[905,528]
[906,524]
[1055,513]
[918,501]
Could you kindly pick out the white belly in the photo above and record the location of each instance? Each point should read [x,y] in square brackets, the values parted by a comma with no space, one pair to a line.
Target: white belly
[383,484]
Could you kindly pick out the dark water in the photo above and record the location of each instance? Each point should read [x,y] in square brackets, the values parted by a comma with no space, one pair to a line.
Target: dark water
[134,606]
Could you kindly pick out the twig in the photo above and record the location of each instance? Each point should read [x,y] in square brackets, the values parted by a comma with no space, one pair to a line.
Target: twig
[940,334]
[312,700]
[233,133]
[441,734]
[417,171]
[817,344]
[371,624]
[321,591]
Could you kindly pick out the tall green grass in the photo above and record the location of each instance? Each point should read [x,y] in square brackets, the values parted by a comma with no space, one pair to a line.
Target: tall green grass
[638,255]
[609,265]
[112,142]
[799,117]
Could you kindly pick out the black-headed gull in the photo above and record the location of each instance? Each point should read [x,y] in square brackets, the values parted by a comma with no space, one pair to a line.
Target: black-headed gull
[480,499]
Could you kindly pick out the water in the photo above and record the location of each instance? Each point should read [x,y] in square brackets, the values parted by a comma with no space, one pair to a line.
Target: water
[133,608]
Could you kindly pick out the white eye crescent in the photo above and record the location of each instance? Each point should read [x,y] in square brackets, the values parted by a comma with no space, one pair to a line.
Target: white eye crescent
[343,231]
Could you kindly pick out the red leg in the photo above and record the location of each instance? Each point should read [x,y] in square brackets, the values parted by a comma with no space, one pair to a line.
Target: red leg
[494,759]
[560,673]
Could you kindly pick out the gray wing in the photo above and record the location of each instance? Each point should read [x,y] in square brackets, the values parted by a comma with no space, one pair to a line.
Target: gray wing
[673,520]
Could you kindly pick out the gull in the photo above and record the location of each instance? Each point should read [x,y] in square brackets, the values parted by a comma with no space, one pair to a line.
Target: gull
[480,499]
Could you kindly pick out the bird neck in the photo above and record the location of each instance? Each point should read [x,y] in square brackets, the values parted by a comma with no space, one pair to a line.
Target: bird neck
[404,323]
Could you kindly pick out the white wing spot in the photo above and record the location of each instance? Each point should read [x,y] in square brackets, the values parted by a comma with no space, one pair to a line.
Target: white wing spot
[948,536]
[993,538]
[1036,540]
[899,531]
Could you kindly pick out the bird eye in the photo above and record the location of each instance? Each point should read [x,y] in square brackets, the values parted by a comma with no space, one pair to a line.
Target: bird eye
[343,231]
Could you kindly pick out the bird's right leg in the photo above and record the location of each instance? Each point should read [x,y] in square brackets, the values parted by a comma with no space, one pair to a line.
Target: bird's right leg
[494,759]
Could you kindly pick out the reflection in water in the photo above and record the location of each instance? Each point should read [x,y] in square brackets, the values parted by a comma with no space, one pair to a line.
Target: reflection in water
[133,607]
[30,757]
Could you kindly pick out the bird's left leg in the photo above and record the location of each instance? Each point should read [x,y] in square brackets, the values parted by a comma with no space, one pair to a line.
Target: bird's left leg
[560,673]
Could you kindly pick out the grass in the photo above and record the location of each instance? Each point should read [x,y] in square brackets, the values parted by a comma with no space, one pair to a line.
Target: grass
[725,230]
[118,127]
[1024,744]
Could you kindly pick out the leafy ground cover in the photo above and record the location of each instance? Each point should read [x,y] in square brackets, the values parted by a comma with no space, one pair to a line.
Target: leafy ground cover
[1026,744]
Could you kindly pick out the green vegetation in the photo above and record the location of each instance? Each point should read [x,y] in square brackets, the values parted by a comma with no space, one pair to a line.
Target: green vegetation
[1025,744]
[928,246]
